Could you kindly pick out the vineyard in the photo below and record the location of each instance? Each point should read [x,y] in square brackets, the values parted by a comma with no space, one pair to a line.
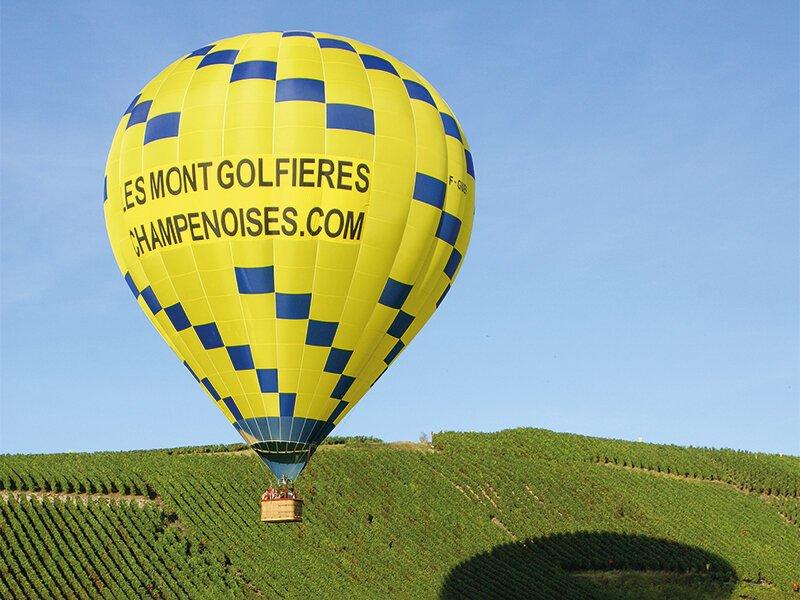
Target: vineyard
[519,513]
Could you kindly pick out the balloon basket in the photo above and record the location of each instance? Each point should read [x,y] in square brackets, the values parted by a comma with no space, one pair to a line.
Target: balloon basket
[282,510]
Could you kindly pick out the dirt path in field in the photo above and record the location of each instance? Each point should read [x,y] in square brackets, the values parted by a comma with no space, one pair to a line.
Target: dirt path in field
[112,498]
[725,484]
[498,523]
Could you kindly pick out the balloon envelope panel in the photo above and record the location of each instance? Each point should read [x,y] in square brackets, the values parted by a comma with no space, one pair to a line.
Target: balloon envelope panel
[288,209]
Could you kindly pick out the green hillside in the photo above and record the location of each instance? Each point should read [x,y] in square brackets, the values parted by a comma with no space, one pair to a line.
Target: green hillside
[519,513]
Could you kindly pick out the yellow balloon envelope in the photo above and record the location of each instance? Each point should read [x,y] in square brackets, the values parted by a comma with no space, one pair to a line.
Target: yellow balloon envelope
[288,210]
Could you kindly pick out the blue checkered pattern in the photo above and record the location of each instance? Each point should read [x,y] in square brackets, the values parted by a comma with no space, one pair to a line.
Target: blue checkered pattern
[335,44]
[394,352]
[131,285]
[191,371]
[350,117]
[344,383]
[201,51]
[220,57]
[470,165]
[132,104]
[310,90]
[150,299]
[394,293]
[400,324]
[254,69]
[177,316]
[138,114]
[162,126]
[267,379]
[292,306]
[444,293]
[241,357]
[209,335]
[233,408]
[448,229]
[287,404]
[417,91]
[450,126]
[321,333]
[253,280]
[378,64]
[428,190]
[211,390]
[337,360]
[452,263]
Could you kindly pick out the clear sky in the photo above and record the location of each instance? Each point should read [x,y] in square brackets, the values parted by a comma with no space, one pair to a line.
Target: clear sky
[633,269]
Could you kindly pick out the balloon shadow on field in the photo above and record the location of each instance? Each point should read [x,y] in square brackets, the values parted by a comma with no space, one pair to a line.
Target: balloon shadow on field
[601,565]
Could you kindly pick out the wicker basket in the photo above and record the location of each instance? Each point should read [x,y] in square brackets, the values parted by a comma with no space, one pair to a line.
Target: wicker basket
[283,510]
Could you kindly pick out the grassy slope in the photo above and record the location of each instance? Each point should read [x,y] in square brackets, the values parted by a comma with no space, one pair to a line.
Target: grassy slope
[517,513]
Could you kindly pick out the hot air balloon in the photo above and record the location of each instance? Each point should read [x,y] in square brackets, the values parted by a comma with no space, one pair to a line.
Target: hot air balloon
[288,210]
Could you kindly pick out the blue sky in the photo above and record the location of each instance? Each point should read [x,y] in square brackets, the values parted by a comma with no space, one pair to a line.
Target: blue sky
[633,269]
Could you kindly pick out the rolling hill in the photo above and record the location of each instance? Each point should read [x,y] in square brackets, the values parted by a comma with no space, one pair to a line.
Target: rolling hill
[520,513]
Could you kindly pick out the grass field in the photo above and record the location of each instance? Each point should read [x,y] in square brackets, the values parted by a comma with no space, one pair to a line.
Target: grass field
[519,513]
